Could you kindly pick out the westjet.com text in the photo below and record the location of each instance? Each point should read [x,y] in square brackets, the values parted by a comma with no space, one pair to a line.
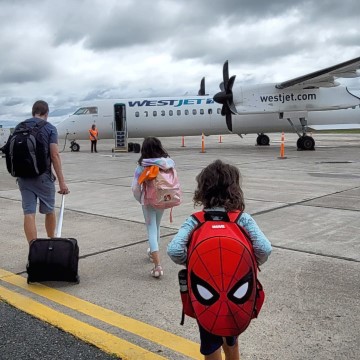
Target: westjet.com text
[287,97]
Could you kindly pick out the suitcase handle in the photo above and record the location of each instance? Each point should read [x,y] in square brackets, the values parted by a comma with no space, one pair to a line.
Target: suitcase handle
[61,216]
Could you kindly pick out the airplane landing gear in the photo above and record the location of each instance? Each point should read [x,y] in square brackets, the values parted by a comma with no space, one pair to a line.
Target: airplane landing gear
[262,140]
[74,146]
[305,142]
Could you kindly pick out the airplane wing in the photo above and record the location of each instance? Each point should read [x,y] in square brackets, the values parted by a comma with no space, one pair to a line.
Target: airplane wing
[325,77]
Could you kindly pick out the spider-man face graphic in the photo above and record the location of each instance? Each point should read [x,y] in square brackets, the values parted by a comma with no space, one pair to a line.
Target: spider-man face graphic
[222,281]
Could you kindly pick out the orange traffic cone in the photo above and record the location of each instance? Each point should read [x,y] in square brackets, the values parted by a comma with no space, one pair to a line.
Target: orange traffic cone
[202,143]
[282,147]
[183,141]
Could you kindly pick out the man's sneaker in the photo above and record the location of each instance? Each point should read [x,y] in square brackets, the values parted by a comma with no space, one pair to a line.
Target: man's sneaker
[157,271]
[149,255]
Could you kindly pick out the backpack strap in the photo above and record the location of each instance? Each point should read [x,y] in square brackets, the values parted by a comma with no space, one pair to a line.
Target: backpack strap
[36,128]
[199,217]
[234,216]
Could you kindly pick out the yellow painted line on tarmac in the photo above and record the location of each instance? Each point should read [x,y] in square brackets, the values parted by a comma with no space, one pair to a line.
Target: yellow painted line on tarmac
[101,339]
[146,331]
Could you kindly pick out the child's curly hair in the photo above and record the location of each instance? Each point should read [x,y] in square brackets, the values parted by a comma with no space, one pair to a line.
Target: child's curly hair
[219,186]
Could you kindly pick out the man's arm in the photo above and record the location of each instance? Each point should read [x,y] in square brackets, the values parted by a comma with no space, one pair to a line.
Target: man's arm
[56,161]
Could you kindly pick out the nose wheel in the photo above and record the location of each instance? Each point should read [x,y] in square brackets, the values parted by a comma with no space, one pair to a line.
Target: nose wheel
[74,146]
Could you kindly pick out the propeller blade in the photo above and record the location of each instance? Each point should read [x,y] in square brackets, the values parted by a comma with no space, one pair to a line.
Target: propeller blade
[232,107]
[201,91]
[226,73]
[231,83]
[229,120]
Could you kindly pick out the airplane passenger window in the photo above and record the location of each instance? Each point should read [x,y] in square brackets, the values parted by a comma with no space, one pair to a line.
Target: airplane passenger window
[210,111]
[137,114]
[154,113]
[194,111]
[219,111]
[162,112]
[170,112]
[202,111]
[186,112]
[178,112]
[146,113]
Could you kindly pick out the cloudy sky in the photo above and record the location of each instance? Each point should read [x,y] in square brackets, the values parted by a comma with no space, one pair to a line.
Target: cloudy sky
[71,51]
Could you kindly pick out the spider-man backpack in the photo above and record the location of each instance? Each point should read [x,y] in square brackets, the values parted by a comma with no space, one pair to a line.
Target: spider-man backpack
[220,287]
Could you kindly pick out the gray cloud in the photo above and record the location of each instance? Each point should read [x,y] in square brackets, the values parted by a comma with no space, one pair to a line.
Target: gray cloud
[70,51]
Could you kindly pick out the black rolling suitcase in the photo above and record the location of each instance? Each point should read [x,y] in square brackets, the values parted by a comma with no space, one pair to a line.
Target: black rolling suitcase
[54,259]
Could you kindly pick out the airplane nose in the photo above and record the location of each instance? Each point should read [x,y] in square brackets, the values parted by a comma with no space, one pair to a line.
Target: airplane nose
[62,130]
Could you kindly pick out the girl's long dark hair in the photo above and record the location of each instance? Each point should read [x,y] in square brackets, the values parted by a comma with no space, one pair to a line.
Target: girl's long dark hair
[218,185]
[152,148]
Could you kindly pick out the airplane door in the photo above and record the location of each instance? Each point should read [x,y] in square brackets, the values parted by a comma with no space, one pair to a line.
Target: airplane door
[120,127]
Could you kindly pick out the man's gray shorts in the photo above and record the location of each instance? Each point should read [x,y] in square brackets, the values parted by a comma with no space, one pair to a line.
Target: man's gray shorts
[41,187]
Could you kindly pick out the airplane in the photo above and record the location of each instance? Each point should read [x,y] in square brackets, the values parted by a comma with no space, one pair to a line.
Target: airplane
[309,102]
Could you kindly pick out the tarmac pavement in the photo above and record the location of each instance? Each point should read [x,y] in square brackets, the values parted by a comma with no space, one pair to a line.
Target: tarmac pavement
[307,205]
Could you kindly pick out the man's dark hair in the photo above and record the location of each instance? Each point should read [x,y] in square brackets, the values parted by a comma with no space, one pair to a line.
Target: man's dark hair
[40,107]
[152,148]
[218,185]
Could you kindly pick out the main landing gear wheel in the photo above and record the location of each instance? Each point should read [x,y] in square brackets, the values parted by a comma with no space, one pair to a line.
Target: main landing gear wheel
[263,140]
[74,146]
[130,147]
[305,143]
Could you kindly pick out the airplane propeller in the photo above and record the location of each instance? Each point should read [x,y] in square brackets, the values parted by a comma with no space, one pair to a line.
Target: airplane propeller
[201,91]
[225,96]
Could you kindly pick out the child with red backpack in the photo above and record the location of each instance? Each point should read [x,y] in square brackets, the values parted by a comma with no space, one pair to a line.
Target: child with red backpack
[155,163]
[222,247]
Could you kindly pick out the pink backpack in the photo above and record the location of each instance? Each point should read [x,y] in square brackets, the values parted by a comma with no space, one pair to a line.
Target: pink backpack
[163,192]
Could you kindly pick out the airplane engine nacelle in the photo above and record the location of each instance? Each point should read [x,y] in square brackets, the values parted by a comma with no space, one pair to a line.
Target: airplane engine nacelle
[268,99]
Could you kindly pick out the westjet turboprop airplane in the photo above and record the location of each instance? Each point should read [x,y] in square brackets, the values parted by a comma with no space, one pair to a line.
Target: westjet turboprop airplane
[299,104]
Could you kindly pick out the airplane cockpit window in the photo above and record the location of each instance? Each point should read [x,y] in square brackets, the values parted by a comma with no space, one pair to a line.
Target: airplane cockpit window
[137,114]
[186,112]
[194,111]
[209,111]
[178,112]
[154,113]
[162,112]
[202,111]
[171,112]
[86,110]
[146,113]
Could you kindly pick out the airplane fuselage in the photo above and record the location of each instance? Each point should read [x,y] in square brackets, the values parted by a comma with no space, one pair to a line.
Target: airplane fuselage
[186,116]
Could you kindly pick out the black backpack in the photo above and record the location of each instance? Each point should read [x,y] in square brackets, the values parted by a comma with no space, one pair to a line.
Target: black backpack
[25,150]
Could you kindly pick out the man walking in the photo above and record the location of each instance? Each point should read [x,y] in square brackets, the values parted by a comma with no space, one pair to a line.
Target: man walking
[42,187]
